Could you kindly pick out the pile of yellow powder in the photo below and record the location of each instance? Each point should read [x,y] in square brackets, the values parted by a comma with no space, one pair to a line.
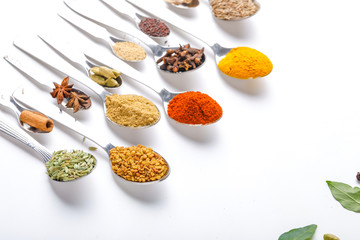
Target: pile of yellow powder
[131,110]
[245,63]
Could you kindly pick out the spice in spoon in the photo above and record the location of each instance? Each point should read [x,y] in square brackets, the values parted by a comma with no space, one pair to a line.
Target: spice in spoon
[194,108]
[76,98]
[105,76]
[138,163]
[129,51]
[233,9]
[37,120]
[182,59]
[154,27]
[70,165]
[131,110]
[245,63]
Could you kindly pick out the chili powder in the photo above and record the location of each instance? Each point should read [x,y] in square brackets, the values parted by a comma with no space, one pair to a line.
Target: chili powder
[194,108]
[154,27]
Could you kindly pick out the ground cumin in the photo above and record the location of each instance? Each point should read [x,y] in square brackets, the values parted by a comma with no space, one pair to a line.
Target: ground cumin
[245,63]
[131,110]
[194,108]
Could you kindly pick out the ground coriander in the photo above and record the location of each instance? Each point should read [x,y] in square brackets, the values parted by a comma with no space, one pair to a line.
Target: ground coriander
[131,110]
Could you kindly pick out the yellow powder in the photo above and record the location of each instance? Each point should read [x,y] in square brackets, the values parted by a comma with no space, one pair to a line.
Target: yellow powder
[245,63]
[131,110]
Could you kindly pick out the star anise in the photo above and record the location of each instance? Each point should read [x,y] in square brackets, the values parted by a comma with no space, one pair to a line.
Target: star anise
[78,100]
[61,91]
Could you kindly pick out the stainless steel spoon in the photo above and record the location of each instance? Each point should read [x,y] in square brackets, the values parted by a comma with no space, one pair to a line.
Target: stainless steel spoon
[94,30]
[9,102]
[219,51]
[183,4]
[69,122]
[134,16]
[100,91]
[30,142]
[240,18]
[78,57]
[102,34]
[40,80]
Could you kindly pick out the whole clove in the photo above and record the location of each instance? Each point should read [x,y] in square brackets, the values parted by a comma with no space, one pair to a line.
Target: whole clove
[181,59]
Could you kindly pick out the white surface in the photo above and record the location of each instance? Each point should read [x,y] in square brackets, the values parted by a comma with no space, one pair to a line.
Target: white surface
[256,174]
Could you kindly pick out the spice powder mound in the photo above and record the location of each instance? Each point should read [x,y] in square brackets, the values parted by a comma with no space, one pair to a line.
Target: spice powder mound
[129,51]
[131,110]
[138,164]
[194,108]
[245,63]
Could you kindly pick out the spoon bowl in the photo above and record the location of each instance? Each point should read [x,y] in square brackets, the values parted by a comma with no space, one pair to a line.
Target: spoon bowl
[95,30]
[11,103]
[183,5]
[33,144]
[28,71]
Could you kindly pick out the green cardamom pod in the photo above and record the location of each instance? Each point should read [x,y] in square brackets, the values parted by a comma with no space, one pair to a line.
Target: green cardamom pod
[329,236]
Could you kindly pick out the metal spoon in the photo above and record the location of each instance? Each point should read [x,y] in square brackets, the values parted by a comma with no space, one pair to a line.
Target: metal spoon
[94,30]
[11,103]
[219,51]
[30,142]
[240,18]
[35,76]
[77,57]
[136,19]
[100,91]
[69,122]
[192,4]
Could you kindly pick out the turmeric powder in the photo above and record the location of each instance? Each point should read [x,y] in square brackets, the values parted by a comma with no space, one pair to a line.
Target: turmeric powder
[245,63]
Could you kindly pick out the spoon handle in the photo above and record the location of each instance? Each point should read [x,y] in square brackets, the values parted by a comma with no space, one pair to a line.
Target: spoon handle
[75,74]
[141,37]
[26,139]
[5,100]
[74,55]
[28,71]
[60,117]
[92,29]
[172,22]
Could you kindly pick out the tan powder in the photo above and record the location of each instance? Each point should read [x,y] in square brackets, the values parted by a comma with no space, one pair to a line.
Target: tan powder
[233,9]
[131,110]
[129,51]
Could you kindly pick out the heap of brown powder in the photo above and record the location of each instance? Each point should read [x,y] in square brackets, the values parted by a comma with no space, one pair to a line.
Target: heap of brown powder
[131,110]
[233,9]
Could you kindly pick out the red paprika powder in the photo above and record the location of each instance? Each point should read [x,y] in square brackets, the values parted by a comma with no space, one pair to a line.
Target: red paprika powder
[194,108]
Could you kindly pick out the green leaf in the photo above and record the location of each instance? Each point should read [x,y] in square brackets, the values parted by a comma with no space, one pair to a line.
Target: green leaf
[347,196]
[304,233]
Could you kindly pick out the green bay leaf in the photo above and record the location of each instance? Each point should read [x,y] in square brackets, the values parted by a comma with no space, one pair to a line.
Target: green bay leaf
[347,196]
[304,233]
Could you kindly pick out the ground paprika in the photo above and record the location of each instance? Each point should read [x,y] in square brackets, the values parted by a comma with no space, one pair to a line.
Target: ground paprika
[194,108]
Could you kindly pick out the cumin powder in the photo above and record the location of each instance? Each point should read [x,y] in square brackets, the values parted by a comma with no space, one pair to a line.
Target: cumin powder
[131,110]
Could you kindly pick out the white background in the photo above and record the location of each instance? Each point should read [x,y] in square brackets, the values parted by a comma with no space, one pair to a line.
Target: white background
[257,173]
